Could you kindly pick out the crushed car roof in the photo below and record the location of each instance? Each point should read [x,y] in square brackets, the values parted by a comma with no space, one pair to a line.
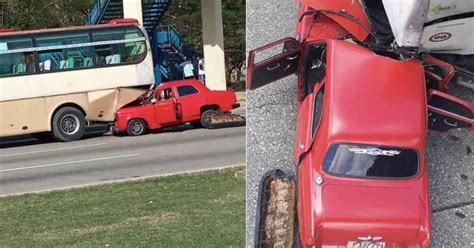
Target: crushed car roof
[373,98]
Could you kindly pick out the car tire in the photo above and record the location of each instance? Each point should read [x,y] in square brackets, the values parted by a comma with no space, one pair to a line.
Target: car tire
[68,124]
[205,117]
[136,127]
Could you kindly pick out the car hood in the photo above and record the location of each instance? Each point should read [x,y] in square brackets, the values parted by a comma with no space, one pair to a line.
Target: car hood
[131,109]
[352,212]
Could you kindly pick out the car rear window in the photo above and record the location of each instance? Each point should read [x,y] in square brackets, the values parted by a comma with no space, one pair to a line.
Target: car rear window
[368,161]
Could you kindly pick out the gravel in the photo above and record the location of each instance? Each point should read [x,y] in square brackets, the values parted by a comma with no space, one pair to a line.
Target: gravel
[271,119]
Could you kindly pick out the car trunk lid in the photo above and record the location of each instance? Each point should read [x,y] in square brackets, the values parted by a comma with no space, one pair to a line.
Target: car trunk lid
[361,213]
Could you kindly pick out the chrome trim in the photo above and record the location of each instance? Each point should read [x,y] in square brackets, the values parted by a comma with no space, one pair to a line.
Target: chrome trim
[88,44]
[370,238]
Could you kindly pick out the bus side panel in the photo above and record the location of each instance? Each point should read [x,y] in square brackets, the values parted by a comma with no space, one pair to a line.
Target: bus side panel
[53,103]
[105,103]
[102,105]
[145,74]
[23,117]
[71,82]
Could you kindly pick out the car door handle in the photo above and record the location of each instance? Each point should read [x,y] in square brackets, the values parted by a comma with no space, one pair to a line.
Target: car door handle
[292,58]
[452,124]
[273,68]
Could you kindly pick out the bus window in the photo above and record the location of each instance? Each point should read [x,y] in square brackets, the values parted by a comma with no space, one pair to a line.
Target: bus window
[50,60]
[59,59]
[15,43]
[61,39]
[116,34]
[125,52]
[78,58]
[120,53]
[15,63]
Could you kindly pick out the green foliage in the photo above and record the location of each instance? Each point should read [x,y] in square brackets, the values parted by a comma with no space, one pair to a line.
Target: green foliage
[37,14]
[185,15]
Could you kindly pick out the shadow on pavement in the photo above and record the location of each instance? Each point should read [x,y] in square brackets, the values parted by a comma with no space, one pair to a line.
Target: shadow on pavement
[45,138]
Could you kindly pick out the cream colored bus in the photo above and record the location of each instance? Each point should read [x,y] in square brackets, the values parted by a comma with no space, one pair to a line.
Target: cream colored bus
[60,80]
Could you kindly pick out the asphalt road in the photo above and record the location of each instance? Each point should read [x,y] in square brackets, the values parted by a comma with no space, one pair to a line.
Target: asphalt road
[29,165]
[271,119]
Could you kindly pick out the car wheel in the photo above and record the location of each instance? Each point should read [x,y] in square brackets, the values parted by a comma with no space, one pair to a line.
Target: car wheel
[136,127]
[68,124]
[207,116]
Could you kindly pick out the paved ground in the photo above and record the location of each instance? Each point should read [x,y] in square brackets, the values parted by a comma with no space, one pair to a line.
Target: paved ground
[271,120]
[28,165]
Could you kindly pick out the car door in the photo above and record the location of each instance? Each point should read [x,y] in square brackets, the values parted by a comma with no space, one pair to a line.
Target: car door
[165,107]
[272,62]
[191,100]
[447,112]
[309,116]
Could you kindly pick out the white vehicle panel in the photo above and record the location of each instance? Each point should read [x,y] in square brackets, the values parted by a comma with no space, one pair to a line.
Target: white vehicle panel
[443,8]
[406,19]
[455,36]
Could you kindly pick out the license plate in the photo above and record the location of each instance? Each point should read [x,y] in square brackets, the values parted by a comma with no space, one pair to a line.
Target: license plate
[365,244]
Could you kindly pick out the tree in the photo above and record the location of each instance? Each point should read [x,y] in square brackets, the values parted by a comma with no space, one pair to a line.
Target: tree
[185,15]
[37,14]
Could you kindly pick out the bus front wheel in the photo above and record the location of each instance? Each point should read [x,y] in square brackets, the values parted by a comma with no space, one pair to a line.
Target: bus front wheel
[68,124]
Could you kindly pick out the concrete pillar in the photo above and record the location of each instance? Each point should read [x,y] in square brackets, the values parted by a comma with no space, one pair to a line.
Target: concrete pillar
[133,9]
[213,40]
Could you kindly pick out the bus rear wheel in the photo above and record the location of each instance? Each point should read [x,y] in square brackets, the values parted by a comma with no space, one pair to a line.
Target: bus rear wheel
[68,124]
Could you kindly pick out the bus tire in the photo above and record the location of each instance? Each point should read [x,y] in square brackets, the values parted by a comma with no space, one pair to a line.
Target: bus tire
[136,127]
[68,124]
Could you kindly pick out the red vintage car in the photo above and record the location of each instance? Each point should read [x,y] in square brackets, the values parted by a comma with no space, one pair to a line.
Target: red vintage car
[360,145]
[363,115]
[174,103]
[361,141]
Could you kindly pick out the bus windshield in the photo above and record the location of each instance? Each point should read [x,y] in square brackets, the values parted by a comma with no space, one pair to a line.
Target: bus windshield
[369,161]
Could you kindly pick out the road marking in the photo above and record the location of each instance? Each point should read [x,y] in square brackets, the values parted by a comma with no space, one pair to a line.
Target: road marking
[69,162]
[51,150]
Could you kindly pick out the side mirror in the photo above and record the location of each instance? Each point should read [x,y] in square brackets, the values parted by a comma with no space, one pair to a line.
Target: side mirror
[153,100]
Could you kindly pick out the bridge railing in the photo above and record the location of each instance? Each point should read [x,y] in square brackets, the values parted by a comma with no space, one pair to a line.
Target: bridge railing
[167,35]
[96,12]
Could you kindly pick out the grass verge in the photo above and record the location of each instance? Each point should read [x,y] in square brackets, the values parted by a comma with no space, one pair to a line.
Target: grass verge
[196,210]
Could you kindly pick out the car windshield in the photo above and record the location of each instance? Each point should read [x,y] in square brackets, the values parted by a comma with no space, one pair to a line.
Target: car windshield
[369,161]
